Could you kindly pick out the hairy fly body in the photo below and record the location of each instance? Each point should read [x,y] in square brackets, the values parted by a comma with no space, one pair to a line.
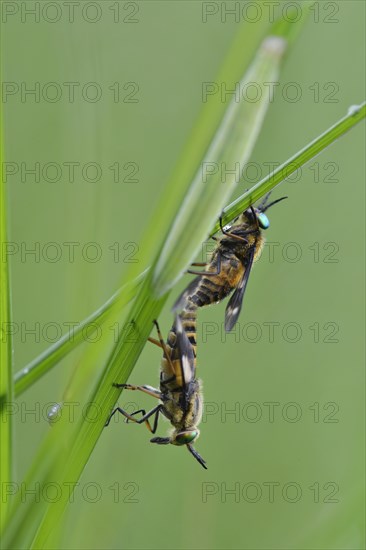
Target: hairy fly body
[180,392]
[230,265]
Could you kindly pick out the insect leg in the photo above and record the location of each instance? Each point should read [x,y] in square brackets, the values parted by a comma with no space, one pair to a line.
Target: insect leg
[154,341]
[148,425]
[209,273]
[255,217]
[145,389]
[163,346]
[134,413]
[228,234]
[143,419]
[156,420]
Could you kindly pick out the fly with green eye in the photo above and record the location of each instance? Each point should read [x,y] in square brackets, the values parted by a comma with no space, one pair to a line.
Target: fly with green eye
[230,265]
[180,391]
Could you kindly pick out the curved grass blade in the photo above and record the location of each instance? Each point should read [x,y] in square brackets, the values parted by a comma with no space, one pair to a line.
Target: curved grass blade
[6,356]
[65,451]
[213,183]
[73,450]
[237,59]
[143,305]
[238,56]
[356,113]
[145,308]
[55,353]
[218,174]
[52,355]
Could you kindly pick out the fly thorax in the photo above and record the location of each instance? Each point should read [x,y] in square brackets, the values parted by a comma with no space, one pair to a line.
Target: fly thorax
[259,246]
[194,411]
[198,408]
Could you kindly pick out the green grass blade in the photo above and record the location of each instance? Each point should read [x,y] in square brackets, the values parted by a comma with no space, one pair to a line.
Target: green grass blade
[53,354]
[146,307]
[238,57]
[67,449]
[282,28]
[237,60]
[34,520]
[355,114]
[232,145]
[218,174]
[6,367]
[27,376]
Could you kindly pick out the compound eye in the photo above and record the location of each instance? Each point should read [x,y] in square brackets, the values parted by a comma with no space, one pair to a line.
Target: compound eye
[186,437]
[263,220]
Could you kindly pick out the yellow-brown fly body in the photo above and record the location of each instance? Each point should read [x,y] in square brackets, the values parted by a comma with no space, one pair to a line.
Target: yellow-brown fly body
[180,393]
[229,267]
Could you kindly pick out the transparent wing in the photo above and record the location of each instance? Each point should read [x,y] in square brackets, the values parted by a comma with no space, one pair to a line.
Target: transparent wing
[186,353]
[236,301]
[182,300]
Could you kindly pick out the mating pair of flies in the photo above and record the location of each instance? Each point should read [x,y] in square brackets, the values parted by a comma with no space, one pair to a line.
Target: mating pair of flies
[228,270]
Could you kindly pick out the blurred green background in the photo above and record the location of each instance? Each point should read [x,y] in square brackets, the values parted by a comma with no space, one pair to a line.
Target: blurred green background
[291,479]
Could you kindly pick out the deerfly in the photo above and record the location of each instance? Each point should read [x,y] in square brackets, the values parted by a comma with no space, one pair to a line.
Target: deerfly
[180,393]
[230,265]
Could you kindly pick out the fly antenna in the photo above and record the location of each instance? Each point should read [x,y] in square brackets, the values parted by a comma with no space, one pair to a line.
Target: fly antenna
[264,202]
[272,203]
[197,456]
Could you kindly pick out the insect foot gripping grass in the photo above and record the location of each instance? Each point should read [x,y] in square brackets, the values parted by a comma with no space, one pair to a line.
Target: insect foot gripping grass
[230,265]
[180,392]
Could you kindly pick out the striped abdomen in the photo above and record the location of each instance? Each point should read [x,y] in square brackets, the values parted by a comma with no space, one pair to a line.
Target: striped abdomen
[173,370]
[211,289]
[189,322]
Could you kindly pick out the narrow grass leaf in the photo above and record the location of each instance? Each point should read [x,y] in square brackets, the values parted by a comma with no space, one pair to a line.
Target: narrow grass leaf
[42,364]
[146,307]
[66,449]
[218,174]
[6,374]
[82,439]
[39,366]
[356,113]
[237,59]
